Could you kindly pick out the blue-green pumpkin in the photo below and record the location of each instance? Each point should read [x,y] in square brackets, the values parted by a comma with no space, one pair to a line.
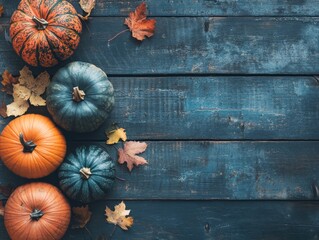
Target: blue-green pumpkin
[80,97]
[87,174]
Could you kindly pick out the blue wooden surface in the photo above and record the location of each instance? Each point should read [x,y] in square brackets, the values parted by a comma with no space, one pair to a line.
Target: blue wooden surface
[225,94]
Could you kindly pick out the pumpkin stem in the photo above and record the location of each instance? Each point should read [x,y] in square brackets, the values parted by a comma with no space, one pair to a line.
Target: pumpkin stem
[36,214]
[27,146]
[86,173]
[41,23]
[78,95]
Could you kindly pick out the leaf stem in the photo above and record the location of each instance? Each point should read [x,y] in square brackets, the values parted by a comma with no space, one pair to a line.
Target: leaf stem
[113,231]
[90,234]
[120,179]
[116,35]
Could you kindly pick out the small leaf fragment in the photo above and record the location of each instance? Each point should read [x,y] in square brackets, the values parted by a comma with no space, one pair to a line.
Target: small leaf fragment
[3,110]
[87,6]
[81,216]
[17,108]
[139,25]
[1,209]
[1,10]
[128,154]
[115,135]
[7,82]
[119,216]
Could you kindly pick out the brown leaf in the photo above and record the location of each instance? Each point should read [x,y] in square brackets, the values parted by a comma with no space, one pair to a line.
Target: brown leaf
[1,209]
[3,110]
[128,154]
[115,135]
[7,82]
[139,25]
[6,190]
[1,10]
[87,6]
[81,216]
[119,216]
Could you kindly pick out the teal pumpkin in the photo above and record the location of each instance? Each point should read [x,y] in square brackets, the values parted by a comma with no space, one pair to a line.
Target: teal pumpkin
[80,97]
[87,174]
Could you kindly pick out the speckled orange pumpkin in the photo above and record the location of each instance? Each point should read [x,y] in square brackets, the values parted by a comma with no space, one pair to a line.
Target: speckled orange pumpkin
[44,32]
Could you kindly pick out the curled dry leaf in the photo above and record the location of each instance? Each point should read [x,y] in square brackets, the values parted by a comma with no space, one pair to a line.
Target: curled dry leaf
[128,154]
[28,88]
[139,25]
[119,216]
[7,82]
[87,6]
[115,135]
[1,10]
[81,216]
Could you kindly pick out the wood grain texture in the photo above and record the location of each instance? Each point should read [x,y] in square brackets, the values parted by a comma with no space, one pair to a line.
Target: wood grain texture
[219,45]
[162,220]
[211,108]
[198,7]
[214,170]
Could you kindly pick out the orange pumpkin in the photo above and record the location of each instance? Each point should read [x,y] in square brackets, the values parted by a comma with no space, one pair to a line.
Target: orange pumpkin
[37,211]
[32,146]
[44,32]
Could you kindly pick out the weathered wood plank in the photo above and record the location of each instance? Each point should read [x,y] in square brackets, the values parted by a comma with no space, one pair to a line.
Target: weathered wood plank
[212,108]
[198,7]
[235,220]
[219,45]
[215,170]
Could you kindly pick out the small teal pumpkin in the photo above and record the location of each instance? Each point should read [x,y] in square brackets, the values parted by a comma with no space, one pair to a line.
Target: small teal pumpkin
[80,97]
[87,174]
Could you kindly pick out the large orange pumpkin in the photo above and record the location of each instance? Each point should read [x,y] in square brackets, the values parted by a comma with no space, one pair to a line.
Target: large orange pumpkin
[32,146]
[37,211]
[44,32]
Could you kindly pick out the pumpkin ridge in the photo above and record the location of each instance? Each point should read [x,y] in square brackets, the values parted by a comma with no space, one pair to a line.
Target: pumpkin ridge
[24,43]
[52,48]
[31,9]
[61,38]
[52,8]
[31,28]
[19,10]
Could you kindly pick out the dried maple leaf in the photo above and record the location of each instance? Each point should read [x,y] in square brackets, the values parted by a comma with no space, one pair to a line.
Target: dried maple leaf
[128,154]
[28,88]
[87,6]
[7,82]
[119,216]
[81,216]
[1,10]
[6,190]
[139,25]
[1,209]
[115,135]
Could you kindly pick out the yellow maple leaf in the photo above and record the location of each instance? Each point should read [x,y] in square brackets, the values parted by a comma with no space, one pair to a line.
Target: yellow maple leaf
[115,135]
[119,216]
[28,88]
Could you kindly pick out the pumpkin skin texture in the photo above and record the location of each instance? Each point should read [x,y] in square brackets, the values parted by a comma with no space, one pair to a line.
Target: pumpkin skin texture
[37,211]
[39,151]
[67,104]
[87,174]
[44,32]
